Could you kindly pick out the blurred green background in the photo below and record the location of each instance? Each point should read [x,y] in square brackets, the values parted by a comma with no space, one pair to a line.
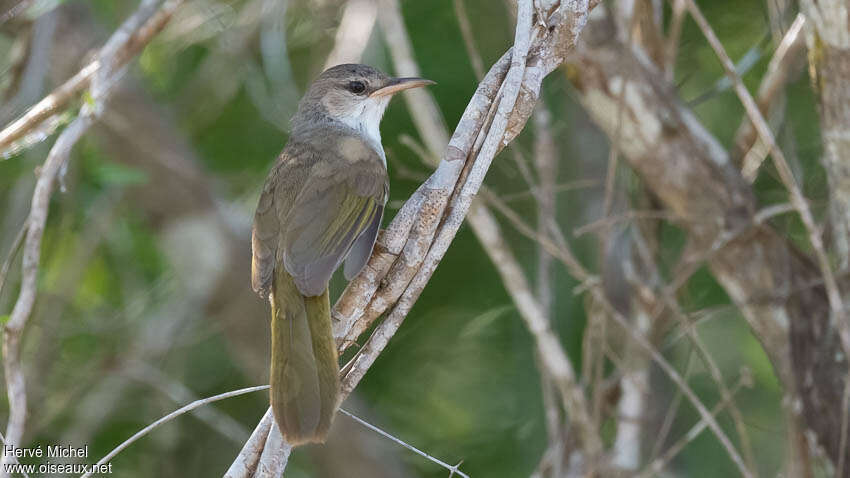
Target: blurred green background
[144,293]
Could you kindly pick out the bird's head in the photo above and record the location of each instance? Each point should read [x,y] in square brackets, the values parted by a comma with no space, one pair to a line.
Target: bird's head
[354,95]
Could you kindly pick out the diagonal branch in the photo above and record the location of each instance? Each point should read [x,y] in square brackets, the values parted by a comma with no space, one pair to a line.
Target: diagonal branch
[408,252]
[131,44]
[839,317]
[780,292]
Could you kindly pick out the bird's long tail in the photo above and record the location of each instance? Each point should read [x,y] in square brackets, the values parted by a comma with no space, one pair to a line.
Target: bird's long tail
[304,367]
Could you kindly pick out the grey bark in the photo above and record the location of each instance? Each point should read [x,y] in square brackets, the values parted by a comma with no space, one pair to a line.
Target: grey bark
[777,287]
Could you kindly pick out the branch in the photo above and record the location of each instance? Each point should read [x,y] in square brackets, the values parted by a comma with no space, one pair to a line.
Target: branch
[129,39]
[51,104]
[355,28]
[408,252]
[657,465]
[778,289]
[431,126]
[829,64]
[782,67]
[171,416]
[838,317]
[452,469]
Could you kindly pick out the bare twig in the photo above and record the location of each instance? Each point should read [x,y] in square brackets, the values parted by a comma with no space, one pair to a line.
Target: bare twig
[224,424]
[275,455]
[426,116]
[706,415]
[28,85]
[486,229]
[838,315]
[410,249]
[453,469]
[15,10]
[13,331]
[134,33]
[579,272]
[714,371]
[171,416]
[766,276]
[659,463]
[10,257]
[610,220]
[780,70]
[671,48]
[56,100]
[469,39]
[671,413]
[546,164]
[355,28]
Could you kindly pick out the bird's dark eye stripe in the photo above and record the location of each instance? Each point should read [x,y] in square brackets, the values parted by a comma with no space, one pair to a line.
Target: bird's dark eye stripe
[356,87]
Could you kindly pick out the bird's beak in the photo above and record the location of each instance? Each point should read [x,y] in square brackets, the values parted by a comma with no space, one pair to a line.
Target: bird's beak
[394,85]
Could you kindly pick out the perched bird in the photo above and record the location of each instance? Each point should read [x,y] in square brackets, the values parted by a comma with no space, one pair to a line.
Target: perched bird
[321,205]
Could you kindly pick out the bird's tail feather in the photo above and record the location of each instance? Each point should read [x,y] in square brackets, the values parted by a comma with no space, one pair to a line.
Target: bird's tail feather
[304,368]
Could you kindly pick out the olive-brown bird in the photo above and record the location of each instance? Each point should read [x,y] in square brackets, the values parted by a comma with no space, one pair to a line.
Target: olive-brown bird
[321,205]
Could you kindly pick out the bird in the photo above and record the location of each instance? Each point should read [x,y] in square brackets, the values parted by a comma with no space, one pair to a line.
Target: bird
[321,206]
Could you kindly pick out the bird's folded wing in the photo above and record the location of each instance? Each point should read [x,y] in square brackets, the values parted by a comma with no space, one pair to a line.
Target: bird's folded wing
[362,248]
[328,216]
[264,234]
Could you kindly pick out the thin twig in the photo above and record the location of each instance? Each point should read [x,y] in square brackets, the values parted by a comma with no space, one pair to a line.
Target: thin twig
[129,39]
[56,100]
[13,331]
[610,220]
[355,28]
[706,415]
[219,421]
[13,252]
[671,48]
[248,458]
[486,229]
[747,150]
[171,416]
[658,464]
[453,470]
[408,252]
[671,413]
[577,270]
[838,316]
[469,39]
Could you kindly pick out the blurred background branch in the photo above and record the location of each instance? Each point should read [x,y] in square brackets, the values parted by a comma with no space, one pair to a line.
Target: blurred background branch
[663,253]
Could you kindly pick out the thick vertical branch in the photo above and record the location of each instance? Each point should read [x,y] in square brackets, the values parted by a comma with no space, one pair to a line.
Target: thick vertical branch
[829,65]
[778,289]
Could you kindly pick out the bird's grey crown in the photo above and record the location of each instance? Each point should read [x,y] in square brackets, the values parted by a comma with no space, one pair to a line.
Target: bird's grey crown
[350,70]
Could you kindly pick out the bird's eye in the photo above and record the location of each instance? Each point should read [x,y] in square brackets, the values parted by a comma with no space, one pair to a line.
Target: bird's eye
[356,87]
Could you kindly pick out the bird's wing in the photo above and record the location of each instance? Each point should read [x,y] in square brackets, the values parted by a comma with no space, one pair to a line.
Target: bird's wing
[336,206]
[362,248]
[284,181]
[265,232]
